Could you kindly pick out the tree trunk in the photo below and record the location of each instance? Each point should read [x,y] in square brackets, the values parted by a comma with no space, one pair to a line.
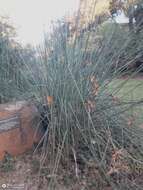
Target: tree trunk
[131,17]
[131,24]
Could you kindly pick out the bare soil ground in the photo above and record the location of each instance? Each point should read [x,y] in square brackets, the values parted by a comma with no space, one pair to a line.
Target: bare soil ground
[21,176]
[139,76]
[25,176]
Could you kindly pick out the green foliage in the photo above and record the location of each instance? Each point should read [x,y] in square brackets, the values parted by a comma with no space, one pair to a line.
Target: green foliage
[13,58]
[128,46]
[133,9]
[86,122]
[131,91]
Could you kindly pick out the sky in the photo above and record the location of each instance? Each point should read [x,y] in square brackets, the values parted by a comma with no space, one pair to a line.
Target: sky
[33,17]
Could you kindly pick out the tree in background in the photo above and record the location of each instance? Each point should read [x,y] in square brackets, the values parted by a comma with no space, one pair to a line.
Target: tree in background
[13,57]
[94,13]
[133,9]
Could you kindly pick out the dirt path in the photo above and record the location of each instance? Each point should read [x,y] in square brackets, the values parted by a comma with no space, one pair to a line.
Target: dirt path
[138,77]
